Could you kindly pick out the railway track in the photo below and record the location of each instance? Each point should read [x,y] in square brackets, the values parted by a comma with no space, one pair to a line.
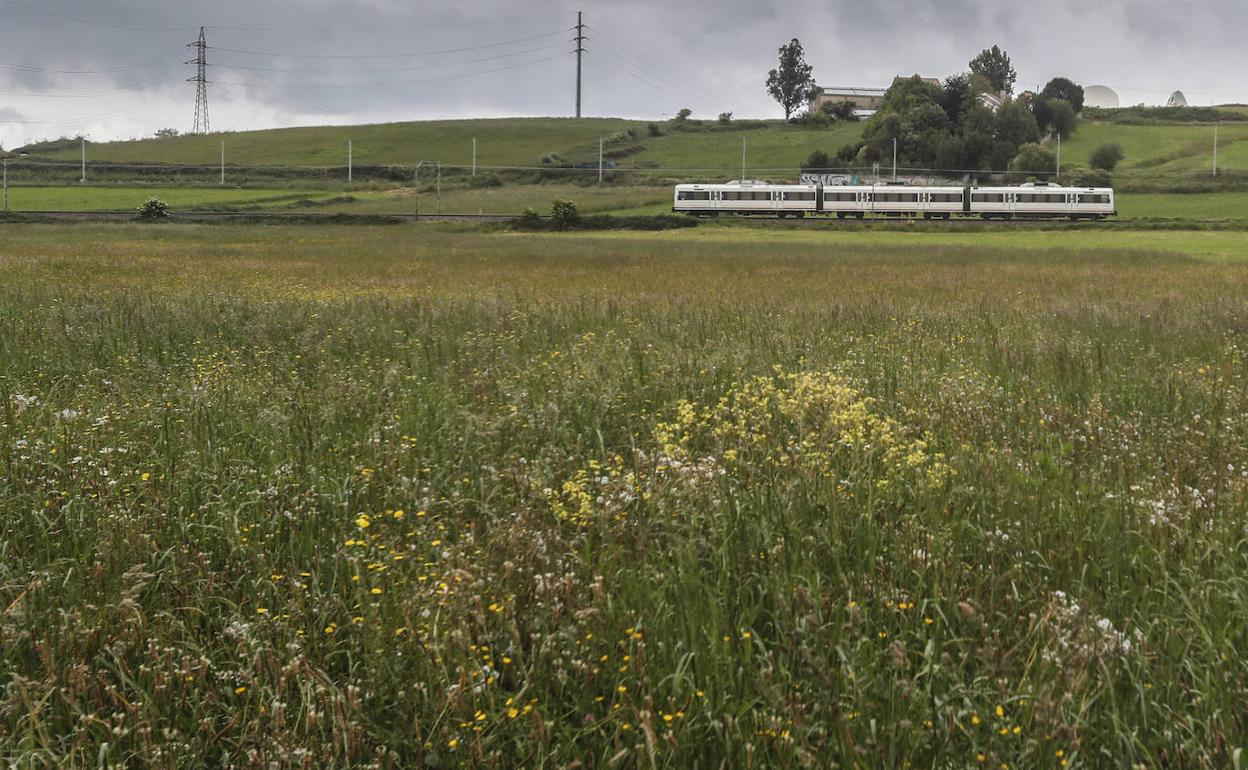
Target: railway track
[807,222]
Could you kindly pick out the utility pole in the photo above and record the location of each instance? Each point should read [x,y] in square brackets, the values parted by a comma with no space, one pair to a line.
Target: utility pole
[1215,150]
[580,51]
[417,188]
[439,187]
[894,160]
[223,163]
[600,160]
[6,185]
[1059,156]
[350,161]
[743,157]
[84,160]
[201,82]
[474,156]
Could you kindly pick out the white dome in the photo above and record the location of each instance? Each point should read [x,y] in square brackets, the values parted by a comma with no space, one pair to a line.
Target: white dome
[1177,99]
[1100,96]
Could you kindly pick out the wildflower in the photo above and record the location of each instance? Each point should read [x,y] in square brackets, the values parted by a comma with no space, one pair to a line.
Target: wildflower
[262,610]
[398,514]
[513,712]
[375,591]
[363,521]
[452,743]
[621,689]
[1001,712]
[331,628]
[145,476]
[240,690]
[975,719]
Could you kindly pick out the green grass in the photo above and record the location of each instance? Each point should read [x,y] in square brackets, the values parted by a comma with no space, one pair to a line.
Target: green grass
[129,198]
[509,199]
[426,496]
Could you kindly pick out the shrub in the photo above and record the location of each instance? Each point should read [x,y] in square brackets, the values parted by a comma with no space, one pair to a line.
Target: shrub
[1106,157]
[1034,159]
[530,220]
[564,214]
[725,118]
[654,129]
[683,115]
[153,209]
[818,161]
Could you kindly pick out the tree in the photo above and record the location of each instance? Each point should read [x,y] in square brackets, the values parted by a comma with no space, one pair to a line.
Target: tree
[1106,157]
[1034,159]
[847,154]
[791,82]
[683,115]
[1062,118]
[818,161]
[564,214]
[166,133]
[1065,89]
[1016,124]
[956,97]
[994,64]
[725,118]
[840,110]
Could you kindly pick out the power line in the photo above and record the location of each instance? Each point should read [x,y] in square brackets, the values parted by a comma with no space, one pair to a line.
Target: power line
[513,66]
[106,71]
[393,28]
[383,70]
[621,50]
[408,55]
[81,20]
[597,57]
[129,88]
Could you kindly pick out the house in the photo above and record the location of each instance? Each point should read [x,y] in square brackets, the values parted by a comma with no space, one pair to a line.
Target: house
[865,100]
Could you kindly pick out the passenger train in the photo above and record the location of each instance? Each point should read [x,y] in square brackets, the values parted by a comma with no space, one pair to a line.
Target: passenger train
[1029,201]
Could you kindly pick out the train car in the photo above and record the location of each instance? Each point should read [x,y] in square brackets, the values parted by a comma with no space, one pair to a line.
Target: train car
[1029,201]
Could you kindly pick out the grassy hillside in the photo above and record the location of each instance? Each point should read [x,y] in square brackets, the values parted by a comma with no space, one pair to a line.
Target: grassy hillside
[1152,151]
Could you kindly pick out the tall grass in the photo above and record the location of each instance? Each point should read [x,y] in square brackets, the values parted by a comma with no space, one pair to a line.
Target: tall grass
[393,498]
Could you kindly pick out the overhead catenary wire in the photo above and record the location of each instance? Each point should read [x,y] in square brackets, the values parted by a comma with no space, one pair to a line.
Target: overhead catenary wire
[392,28]
[384,70]
[92,22]
[622,52]
[597,58]
[437,79]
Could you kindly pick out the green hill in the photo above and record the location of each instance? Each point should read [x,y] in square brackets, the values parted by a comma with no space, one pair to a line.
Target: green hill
[697,145]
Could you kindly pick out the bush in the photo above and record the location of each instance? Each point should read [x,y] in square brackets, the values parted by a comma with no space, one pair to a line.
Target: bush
[683,115]
[564,214]
[725,118]
[153,209]
[1107,157]
[530,220]
[654,129]
[1034,159]
[818,161]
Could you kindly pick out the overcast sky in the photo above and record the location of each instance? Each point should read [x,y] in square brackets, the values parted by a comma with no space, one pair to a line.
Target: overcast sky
[115,70]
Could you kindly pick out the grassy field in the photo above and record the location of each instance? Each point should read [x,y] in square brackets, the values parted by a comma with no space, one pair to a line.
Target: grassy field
[86,198]
[426,496]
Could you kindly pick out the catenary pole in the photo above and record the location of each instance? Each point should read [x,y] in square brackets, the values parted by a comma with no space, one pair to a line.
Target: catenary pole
[743,158]
[439,187]
[600,160]
[1215,150]
[84,160]
[894,160]
[474,156]
[6,185]
[223,163]
[350,161]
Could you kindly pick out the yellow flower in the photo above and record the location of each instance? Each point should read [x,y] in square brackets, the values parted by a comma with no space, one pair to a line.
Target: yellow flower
[621,689]
[331,628]
[513,712]
[363,521]
[262,610]
[145,476]
[1000,712]
[398,514]
[240,690]
[975,719]
[452,743]
[375,591]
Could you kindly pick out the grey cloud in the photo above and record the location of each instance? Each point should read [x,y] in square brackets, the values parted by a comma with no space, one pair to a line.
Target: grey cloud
[646,57]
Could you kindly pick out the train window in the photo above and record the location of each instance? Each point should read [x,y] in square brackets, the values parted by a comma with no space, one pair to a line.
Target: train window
[987,198]
[799,196]
[841,197]
[1089,198]
[946,197]
[689,195]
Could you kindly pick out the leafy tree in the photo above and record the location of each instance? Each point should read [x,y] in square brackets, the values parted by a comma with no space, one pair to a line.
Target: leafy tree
[1065,89]
[994,64]
[166,133]
[979,128]
[725,118]
[1106,157]
[791,82]
[840,110]
[1016,124]
[683,115]
[564,214]
[1063,120]
[956,97]
[1034,159]
[818,160]
[848,154]
[153,210]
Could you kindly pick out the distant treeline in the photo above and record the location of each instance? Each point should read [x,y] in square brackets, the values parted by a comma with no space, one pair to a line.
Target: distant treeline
[1149,116]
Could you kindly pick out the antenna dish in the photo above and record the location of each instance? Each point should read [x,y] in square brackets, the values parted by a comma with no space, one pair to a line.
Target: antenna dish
[1177,99]
[1101,96]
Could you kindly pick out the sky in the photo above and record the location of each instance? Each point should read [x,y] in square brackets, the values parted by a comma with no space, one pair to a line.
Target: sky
[115,69]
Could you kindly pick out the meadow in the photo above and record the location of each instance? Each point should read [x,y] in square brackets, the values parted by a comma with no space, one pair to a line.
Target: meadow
[436,496]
